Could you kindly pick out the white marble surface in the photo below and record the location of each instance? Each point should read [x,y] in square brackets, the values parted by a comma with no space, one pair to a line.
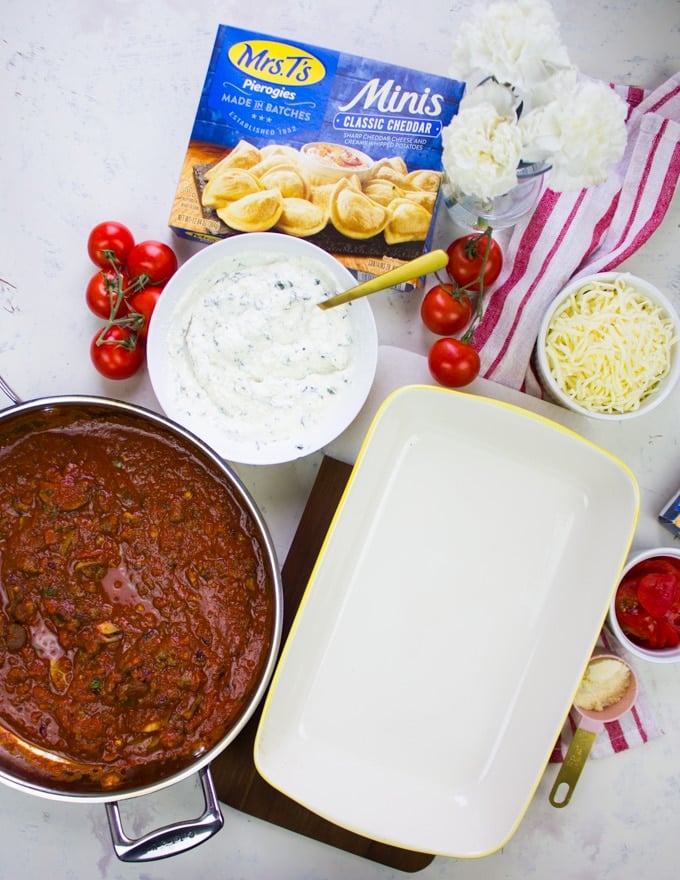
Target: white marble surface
[97,104]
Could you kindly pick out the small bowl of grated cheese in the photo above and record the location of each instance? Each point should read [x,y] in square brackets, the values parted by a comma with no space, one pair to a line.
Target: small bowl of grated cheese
[608,346]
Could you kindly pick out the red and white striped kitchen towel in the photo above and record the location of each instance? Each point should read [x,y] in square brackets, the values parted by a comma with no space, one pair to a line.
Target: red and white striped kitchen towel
[635,728]
[577,233]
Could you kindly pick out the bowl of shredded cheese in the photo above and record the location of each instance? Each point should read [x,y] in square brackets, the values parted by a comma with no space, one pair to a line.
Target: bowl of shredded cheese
[608,346]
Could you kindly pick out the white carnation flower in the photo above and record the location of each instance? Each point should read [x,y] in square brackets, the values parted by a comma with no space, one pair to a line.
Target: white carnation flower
[530,104]
[481,151]
[553,88]
[501,97]
[581,134]
[542,133]
[516,42]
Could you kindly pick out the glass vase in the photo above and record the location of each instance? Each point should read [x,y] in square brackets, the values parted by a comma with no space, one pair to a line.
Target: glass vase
[501,211]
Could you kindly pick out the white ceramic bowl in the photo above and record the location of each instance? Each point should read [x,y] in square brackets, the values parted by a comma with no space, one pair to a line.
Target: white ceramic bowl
[660,655]
[557,392]
[284,412]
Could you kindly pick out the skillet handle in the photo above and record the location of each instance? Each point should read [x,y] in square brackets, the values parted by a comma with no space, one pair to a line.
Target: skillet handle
[13,396]
[169,840]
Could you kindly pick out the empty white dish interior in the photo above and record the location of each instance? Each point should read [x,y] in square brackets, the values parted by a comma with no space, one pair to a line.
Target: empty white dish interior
[447,623]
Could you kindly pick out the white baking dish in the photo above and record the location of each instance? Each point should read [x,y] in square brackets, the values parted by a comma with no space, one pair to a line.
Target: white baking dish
[446,625]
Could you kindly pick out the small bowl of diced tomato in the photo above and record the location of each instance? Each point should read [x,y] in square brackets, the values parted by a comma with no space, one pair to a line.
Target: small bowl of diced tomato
[645,612]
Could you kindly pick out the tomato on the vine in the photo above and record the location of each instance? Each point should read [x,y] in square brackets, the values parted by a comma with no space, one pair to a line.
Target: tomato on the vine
[104,292]
[151,262]
[117,352]
[144,303]
[445,311]
[109,243]
[124,293]
[452,362]
[466,257]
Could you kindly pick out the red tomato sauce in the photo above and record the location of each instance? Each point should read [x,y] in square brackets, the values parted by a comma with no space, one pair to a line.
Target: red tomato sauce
[136,609]
[647,603]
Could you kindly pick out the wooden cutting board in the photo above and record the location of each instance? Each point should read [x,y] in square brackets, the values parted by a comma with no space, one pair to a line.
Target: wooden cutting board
[237,781]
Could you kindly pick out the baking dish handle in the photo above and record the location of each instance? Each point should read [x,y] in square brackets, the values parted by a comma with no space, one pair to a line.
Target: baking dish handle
[172,839]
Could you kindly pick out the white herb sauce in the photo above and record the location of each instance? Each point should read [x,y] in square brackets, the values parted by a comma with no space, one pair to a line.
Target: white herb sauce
[250,348]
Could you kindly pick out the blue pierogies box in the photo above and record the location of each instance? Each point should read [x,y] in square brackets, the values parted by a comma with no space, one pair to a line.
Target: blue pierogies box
[669,515]
[335,148]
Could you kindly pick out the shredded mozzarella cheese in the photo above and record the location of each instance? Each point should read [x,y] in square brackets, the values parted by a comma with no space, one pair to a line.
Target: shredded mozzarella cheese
[608,346]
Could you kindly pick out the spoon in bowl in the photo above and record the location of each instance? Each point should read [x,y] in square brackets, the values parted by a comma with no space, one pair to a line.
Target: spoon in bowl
[423,265]
[591,723]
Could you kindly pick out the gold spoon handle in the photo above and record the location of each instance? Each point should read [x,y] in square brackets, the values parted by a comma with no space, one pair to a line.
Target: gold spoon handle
[429,262]
[570,770]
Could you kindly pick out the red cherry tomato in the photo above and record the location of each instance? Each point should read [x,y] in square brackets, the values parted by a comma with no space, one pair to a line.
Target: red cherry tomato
[103,293]
[109,243]
[144,303]
[466,257]
[445,311]
[453,363]
[151,262]
[117,352]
